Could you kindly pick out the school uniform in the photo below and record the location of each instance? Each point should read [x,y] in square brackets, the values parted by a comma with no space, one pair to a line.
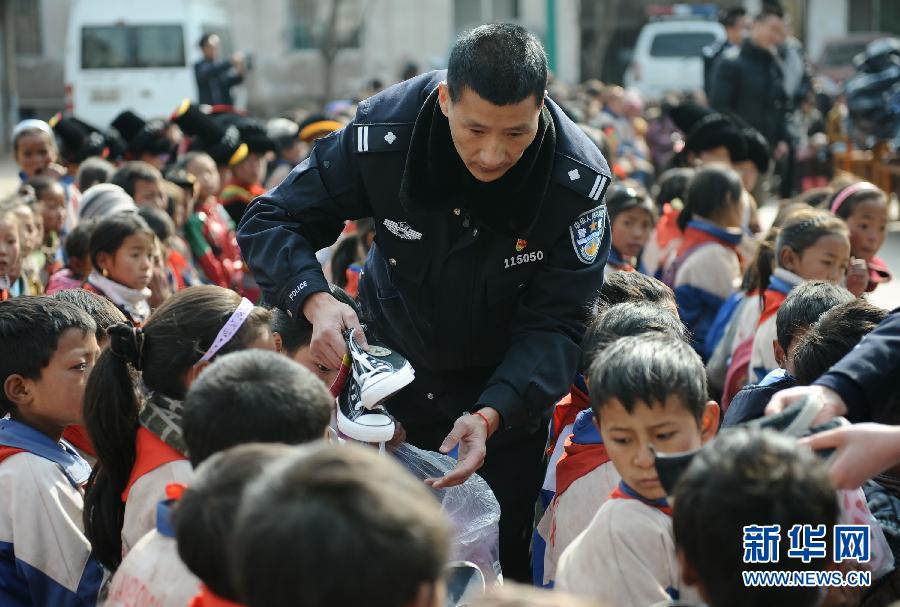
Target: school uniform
[152,574]
[618,263]
[626,556]
[209,232]
[762,358]
[45,558]
[133,303]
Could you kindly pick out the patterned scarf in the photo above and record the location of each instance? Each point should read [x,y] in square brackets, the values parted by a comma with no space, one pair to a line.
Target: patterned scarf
[161,415]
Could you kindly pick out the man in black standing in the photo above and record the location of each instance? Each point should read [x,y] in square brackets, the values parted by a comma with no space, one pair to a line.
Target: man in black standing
[736,23]
[491,238]
[215,78]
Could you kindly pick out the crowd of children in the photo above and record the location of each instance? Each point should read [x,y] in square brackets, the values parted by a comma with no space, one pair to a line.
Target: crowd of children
[149,395]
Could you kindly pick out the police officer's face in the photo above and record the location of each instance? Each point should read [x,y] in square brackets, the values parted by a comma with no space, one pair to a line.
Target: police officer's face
[489,138]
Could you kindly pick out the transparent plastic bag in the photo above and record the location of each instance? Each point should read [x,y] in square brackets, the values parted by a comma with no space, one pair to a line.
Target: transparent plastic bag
[471,507]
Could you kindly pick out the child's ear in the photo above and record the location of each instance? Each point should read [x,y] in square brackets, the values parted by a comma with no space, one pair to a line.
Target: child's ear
[780,356]
[194,372]
[103,260]
[709,425]
[788,259]
[16,389]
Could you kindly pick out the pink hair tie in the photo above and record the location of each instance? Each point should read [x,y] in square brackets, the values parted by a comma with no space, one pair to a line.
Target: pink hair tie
[850,190]
[232,326]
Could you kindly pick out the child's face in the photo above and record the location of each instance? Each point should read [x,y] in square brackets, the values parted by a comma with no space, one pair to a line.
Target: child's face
[53,209]
[715,155]
[9,246]
[827,259]
[867,225]
[207,174]
[250,170]
[34,153]
[149,192]
[748,172]
[303,357]
[631,231]
[31,235]
[670,428]
[132,263]
[54,400]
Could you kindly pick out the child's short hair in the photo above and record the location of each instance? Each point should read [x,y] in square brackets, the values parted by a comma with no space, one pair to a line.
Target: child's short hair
[833,336]
[621,198]
[78,242]
[92,171]
[102,310]
[204,517]
[649,369]
[109,234]
[749,477]
[804,305]
[621,287]
[30,328]
[158,221]
[623,320]
[253,396]
[329,508]
[710,189]
[296,332]
[132,172]
[41,184]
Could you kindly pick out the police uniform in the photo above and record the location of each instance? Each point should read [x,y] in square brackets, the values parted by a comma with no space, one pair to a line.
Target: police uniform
[483,290]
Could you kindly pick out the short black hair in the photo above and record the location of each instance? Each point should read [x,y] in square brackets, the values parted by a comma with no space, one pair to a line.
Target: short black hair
[159,221]
[730,16]
[621,287]
[253,396]
[41,184]
[648,369]
[92,171]
[78,242]
[769,10]
[710,189]
[296,331]
[30,328]
[132,172]
[623,320]
[833,336]
[204,39]
[672,185]
[749,477]
[501,62]
[804,305]
[102,310]
[330,507]
[204,517]
[621,198]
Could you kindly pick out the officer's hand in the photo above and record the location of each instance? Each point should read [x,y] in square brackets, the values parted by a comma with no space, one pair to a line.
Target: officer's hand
[330,318]
[470,432]
[834,405]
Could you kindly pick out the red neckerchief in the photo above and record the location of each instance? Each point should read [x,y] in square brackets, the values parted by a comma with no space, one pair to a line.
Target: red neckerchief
[150,453]
[565,412]
[694,237]
[77,435]
[207,598]
[623,491]
[577,461]
[773,300]
[6,452]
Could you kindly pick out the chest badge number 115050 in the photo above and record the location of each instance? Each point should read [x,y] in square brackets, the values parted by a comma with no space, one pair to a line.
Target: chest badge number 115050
[518,260]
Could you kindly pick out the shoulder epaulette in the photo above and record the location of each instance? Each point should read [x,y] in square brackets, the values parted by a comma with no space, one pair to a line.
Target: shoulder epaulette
[382,137]
[579,177]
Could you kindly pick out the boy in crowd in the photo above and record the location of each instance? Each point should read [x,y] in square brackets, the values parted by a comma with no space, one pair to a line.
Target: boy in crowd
[649,395]
[143,182]
[339,508]
[48,351]
[749,477]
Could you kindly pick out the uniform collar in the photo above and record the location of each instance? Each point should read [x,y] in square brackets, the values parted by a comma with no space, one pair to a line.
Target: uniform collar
[22,436]
[783,281]
[724,236]
[164,518]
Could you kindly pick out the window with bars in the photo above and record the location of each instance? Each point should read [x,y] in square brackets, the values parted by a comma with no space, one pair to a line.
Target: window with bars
[27,25]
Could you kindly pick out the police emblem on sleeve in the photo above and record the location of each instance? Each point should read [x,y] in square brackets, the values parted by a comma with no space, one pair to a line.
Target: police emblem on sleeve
[587,234]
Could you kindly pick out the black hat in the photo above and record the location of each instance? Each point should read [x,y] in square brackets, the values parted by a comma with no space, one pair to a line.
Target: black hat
[180,177]
[78,140]
[317,126]
[252,130]
[222,142]
[143,137]
[686,115]
[716,130]
[117,145]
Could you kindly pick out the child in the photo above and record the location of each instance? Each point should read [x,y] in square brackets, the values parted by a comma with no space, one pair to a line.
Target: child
[634,286]
[864,207]
[143,182]
[104,200]
[706,269]
[747,477]
[78,253]
[171,272]
[247,175]
[649,395]
[138,441]
[243,397]
[328,508]
[122,249]
[632,216]
[579,471]
[10,251]
[33,258]
[48,352]
[811,245]
[802,307]
[51,202]
[92,171]
[671,190]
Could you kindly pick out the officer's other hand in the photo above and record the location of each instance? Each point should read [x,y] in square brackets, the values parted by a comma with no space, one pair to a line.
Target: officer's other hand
[330,318]
[834,405]
[863,450]
[857,276]
[470,432]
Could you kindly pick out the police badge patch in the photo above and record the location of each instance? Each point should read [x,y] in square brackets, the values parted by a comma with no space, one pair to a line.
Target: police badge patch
[587,234]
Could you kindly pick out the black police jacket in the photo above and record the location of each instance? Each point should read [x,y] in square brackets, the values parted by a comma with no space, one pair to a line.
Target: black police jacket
[461,292]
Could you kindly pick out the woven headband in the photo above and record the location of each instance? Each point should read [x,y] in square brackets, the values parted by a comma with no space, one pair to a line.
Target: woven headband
[850,190]
[230,329]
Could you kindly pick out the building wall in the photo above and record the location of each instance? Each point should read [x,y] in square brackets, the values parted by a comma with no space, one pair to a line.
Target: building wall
[825,19]
[40,77]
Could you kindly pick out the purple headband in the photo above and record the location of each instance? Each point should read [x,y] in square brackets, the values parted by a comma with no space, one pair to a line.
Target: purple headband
[231,327]
[850,190]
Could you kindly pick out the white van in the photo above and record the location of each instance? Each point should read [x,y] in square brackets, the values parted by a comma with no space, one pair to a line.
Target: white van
[668,56]
[137,55]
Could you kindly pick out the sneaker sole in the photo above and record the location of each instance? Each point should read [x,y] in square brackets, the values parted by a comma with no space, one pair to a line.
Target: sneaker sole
[387,387]
[380,431]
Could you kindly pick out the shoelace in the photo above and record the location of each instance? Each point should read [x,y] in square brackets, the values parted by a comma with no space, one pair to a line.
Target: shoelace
[370,365]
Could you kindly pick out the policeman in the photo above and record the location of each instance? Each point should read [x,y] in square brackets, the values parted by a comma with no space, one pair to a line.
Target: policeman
[491,238]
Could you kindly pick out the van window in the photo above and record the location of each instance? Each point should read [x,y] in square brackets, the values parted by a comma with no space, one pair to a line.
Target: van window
[681,44]
[132,46]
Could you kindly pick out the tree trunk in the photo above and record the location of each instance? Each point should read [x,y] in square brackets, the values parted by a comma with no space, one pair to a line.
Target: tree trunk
[329,49]
[598,24]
